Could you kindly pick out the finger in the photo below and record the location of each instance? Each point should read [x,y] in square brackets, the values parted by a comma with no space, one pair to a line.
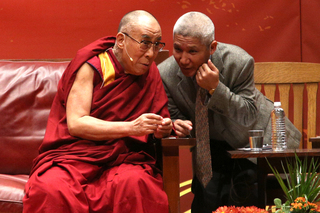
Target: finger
[151,124]
[153,119]
[201,70]
[187,126]
[197,76]
[182,134]
[202,73]
[205,68]
[153,116]
[154,124]
[165,127]
[211,66]
[184,124]
[189,123]
[166,121]
[178,128]
[163,131]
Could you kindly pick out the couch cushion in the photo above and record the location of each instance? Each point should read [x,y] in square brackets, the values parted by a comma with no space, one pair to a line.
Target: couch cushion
[27,89]
[12,192]
[12,187]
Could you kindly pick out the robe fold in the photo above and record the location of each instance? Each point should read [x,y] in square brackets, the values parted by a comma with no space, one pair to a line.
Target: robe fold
[125,98]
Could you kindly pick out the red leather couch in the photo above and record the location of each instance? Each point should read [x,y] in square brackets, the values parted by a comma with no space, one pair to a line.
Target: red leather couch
[27,89]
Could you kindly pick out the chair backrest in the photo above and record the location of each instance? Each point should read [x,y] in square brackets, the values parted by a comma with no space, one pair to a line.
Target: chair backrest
[297,86]
[162,55]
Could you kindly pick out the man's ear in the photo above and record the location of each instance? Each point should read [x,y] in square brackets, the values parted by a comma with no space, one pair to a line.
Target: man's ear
[120,40]
[213,47]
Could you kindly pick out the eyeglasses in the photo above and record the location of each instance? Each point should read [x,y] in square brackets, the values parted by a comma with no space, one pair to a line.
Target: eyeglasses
[145,45]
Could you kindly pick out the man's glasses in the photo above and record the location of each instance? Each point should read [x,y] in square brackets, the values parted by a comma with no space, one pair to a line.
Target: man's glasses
[145,45]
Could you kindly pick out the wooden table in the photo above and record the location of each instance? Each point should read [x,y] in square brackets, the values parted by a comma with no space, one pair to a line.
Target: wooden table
[274,159]
[171,175]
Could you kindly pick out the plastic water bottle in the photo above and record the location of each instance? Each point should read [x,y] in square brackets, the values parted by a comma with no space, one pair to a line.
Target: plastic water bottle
[278,128]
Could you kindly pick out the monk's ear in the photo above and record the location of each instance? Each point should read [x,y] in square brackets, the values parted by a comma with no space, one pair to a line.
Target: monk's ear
[120,40]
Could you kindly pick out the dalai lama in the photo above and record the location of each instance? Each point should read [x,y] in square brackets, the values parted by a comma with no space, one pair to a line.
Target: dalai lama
[98,152]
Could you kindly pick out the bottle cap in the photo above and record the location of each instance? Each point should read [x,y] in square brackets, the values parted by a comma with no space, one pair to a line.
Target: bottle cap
[277,104]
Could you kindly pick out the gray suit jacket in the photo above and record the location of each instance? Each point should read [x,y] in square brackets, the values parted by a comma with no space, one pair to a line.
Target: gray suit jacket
[235,107]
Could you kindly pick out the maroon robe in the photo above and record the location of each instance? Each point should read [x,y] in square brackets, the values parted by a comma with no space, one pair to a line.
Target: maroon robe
[89,167]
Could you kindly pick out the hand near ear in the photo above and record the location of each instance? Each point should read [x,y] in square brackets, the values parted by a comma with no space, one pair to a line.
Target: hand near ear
[208,76]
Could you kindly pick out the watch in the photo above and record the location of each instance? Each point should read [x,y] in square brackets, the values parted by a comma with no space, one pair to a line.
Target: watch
[211,91]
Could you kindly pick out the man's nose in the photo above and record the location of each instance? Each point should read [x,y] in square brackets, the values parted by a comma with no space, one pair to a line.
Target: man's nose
[184,59]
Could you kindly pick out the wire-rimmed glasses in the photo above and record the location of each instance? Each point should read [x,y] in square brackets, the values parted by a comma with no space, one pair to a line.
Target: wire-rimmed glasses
[145,45]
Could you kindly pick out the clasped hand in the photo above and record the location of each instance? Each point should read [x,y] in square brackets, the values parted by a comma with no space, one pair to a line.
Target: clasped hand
[151,123]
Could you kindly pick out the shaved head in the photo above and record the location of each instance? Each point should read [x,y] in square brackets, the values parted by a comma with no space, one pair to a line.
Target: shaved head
[196,25]
[138,33]
[131,19]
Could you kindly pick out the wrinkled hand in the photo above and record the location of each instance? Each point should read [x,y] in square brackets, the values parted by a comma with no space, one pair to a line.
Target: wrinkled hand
[183,127]
[164,129]
[208,76]
[146,124]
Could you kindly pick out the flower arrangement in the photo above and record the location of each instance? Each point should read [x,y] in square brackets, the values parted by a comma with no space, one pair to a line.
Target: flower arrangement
[233,209]
[300,205]
[301,188]
[301,180]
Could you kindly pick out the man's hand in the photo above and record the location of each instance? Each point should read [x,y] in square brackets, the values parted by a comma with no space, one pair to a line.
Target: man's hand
[183,127]
[208,76]
[164,130]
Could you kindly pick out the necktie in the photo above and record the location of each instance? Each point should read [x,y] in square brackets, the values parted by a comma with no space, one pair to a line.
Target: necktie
[203,168]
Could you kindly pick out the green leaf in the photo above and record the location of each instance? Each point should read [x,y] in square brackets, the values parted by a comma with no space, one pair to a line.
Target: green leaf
[277,202]
[301,179]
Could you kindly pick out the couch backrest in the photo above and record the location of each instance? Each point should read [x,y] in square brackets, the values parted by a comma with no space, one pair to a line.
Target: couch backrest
[27,89]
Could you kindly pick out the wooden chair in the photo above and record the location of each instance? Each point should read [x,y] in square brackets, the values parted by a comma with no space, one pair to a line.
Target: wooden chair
[297,86]
[162,55]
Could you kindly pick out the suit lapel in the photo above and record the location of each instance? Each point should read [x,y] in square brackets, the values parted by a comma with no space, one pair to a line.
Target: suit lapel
[187,89]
